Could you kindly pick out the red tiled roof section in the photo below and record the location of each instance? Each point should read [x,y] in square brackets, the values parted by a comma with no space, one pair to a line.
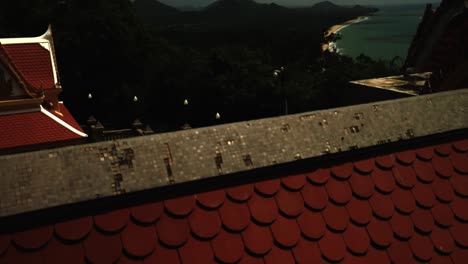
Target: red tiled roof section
[34,128]
[405,207]
[34,62]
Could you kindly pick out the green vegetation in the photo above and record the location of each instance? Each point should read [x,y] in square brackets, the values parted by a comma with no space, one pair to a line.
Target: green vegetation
[221,59]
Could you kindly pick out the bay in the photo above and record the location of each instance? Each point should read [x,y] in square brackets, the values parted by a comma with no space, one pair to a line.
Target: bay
[384,35]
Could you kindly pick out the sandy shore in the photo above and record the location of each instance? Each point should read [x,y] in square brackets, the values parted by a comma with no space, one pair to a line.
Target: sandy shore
[334,29]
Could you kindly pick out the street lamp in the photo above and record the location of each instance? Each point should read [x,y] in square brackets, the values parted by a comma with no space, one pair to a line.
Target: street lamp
[280,74]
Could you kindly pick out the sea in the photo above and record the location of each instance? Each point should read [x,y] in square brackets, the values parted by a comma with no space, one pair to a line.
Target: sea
[384,35]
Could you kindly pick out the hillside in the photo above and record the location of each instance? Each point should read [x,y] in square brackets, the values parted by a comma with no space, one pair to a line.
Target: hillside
[223,5]
[151,11]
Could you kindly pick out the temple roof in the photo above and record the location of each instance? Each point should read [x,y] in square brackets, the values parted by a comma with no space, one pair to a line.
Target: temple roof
[35,58]
[37,126]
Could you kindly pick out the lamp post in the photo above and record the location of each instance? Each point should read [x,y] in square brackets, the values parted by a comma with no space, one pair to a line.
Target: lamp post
[279,74]
[186,115]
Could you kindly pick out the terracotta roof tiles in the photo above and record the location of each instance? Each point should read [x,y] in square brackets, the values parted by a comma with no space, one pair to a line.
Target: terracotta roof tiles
[356,215]
[35,63]
[36,127]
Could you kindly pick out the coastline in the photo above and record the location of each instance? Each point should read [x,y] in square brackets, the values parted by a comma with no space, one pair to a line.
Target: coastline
[336,28]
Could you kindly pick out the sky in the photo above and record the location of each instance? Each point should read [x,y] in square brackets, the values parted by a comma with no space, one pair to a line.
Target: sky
[300,2]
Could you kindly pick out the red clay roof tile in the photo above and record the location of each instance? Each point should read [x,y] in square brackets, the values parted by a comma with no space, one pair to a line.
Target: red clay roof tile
[14,255]
[235,216]
[380,232]
[402,226]
[228,247]
[74,230]
[460,184]
[460,145]
[339,191]
[268,188]
[421,246]
[34,238]
[356,239]
[196,251]
[422,220]
[162,254]
[443,190]
[459,233]
[424,195]
[362,185]
[279,256]
[332,246]
[285,231]
[204,224]
[342,171]
[400,252]
[459,208]
[240,193]
[147,213]
[312,225]
[459,256]
[364,166]
[211,200]
[375,255]
[385,162]
[383,180]
[57,252]
[258,240]
[443,150]
[320,176]
[424,171]
[34,62]
[112,221]
[4,242]
[102,248]
[404,176]
[294,183]
[443,215]
[443,166]
[442,240]
[307,251]
[315,197]
[405,157]
[336,217]
[35,128]
[403,200]
[172,232]
[248,259]
[440,259]
[139,241]
[359,211]
[460,162]
[382,205]
[425,153]
[290,204]
[263,210]
[182,206]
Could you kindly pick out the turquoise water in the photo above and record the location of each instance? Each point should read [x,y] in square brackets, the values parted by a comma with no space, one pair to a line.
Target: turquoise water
[386,34]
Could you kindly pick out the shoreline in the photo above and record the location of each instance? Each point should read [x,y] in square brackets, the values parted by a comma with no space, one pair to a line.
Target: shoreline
[336,28]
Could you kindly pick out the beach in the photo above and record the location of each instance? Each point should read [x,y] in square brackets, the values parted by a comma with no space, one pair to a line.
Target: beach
[336,28]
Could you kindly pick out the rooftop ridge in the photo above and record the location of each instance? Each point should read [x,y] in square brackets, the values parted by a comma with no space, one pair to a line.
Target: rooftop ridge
[45,41]
[57,177]
[62,123]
